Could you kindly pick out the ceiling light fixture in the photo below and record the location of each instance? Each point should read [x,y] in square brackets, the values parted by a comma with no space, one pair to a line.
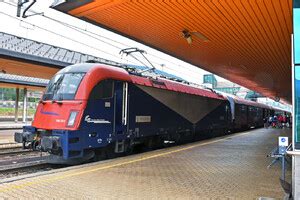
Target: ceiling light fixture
[188,35]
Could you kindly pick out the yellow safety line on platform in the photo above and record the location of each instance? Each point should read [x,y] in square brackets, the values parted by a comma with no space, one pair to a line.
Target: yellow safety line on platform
[34,182]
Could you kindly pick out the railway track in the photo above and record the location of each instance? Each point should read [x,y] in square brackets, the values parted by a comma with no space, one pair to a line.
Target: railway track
[15,152]
[24,166]
[15,161]
[11,145]
[8,150]
[20,163]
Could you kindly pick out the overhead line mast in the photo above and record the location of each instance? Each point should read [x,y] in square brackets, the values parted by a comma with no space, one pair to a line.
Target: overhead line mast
[20,5]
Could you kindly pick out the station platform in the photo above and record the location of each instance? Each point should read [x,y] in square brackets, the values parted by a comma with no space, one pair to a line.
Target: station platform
[230,167]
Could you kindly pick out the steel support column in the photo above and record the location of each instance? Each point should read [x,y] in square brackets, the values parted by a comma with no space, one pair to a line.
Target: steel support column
[25,106]
[17,104]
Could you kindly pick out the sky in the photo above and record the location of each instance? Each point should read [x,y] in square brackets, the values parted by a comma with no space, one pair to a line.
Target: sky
[89,39]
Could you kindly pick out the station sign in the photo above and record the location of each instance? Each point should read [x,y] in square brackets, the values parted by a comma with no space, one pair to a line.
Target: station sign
[283,141]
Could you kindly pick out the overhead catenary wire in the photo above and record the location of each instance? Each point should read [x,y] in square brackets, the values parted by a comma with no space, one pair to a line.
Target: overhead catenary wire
[90,34]
[85,31]
[78,41]
[63,36]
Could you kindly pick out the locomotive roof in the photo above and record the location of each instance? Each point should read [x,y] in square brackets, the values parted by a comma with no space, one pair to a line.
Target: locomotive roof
[157,82]
[85,67]
[167,84]
[78,68]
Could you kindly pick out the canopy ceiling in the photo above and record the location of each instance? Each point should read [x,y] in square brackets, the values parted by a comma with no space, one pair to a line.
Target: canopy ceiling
[248,41]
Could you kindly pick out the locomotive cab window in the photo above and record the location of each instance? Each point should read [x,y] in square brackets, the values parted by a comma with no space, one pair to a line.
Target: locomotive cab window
[63,86]
[102,90]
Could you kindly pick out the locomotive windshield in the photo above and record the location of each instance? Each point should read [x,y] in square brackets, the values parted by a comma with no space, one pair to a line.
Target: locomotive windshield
[63,86]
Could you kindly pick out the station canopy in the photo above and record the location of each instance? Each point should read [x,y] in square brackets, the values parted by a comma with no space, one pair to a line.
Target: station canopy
[247,42]
[36,59]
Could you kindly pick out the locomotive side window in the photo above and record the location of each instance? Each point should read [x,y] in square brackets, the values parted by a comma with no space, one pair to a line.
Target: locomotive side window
[102,90]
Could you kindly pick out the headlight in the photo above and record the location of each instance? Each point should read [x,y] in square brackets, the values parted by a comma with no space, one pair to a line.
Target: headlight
[72,118]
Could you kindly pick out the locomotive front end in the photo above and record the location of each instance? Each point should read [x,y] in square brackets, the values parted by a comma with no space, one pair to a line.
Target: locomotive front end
[76,113]
[58,115]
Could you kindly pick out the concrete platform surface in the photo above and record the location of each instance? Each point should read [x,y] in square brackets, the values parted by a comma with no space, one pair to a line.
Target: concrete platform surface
[233,167]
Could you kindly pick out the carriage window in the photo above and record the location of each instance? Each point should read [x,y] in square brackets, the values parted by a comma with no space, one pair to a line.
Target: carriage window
[243,108]
[102,90]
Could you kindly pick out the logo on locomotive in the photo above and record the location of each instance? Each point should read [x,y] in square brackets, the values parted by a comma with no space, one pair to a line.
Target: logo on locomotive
[96,121]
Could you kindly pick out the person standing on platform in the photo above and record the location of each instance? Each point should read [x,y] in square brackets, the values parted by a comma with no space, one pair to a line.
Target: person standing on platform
[288,121]
[284,120]
[280,121]
[274,121]
[266,122]
[270,120]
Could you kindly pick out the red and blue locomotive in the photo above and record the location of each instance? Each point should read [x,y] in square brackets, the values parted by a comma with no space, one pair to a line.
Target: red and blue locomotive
[91,110]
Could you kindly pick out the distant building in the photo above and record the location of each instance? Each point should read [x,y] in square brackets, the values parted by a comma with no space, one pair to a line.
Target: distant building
[273,103]
[210,79]
[251,95]
[227,87]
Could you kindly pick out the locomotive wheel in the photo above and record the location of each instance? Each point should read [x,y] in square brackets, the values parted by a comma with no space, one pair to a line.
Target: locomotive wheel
[99,155]
[155,142]
[151,143]
[110,151]
[129,148]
